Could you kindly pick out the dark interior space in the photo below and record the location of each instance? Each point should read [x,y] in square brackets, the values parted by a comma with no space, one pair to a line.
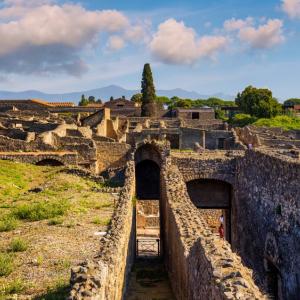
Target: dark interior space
[272,281]
[147,180]
[212,197]
[49,162]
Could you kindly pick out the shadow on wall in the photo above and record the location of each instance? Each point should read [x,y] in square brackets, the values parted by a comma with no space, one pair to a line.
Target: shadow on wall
[49,162]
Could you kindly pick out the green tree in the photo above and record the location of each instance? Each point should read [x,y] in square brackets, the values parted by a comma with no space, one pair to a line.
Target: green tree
[111,98]
[83,101]
[137,98]
[258,102]
[92,99]
[163,100]
[291,102]
[99,101]
[148,92]
[220,114]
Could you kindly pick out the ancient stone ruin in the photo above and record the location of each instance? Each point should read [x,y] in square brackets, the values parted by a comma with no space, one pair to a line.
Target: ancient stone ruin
[184,174]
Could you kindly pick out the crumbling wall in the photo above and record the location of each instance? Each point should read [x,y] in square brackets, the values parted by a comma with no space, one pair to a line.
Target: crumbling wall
[268,217]
[219,165]
[111,155]
[105,277]
[199,263]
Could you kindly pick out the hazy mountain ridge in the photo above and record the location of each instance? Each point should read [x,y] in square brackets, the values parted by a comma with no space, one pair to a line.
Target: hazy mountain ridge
[103,93]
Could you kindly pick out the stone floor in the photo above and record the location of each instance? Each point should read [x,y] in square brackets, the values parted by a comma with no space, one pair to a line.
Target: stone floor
[149,281]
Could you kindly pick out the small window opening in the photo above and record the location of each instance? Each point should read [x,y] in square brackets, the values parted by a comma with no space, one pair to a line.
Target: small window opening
[195,115]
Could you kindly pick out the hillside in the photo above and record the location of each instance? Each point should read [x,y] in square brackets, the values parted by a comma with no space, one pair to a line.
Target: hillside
[104,93]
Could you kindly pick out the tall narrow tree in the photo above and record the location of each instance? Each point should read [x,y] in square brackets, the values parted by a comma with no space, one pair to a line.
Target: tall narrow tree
[148,93]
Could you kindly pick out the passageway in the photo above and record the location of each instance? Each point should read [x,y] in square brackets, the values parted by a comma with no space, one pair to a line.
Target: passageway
[148,279]
[213,199]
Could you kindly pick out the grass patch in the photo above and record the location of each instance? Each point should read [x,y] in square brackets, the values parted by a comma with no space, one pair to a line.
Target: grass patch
[14,287]
[41,210]
[59,291]
[55,221]
[8,223]
[6,264]
[285,122]
[18,245]
[101,221]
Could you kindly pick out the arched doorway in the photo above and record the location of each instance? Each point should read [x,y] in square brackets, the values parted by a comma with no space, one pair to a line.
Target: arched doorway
[148,221]
[49,162]
[213,199]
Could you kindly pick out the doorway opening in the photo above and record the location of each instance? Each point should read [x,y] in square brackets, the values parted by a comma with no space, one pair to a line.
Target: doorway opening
[148,209]
[273,279]
[213,199]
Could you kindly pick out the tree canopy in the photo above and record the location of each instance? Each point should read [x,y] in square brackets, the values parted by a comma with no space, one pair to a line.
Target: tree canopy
[91,99]
[291,102]
[258,102]
[137,98]
[148,89]
[148,92]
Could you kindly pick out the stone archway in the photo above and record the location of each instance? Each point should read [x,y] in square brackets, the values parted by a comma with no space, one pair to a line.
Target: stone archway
[148,161]
[213,198]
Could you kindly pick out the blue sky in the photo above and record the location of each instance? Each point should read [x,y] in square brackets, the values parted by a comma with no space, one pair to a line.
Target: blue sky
[205,46]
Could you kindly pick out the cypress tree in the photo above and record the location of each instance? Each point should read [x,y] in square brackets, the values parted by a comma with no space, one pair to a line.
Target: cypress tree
[148,93]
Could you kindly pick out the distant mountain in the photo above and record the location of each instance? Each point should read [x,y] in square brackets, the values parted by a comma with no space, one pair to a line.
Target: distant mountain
[103,93]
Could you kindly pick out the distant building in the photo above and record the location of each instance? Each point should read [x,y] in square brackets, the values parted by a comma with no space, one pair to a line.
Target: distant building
[123,107]
[201,113]
[31,104]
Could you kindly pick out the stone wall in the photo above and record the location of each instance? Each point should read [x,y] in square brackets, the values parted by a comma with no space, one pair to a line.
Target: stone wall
[268,218]
[66,158]
[105,277]
[200,265]
[111,155]
[219,165]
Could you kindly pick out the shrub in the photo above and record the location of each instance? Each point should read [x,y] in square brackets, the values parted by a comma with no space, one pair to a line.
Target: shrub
[8,223]
[18,245]
[285,122]
[40,211]
[6,264]
[55,221]
[242,120]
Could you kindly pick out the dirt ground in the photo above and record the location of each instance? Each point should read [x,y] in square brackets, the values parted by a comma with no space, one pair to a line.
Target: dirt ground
[56,244]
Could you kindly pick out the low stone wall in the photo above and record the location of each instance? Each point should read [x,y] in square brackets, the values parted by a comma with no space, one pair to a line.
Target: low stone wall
[267,221]
[66,158]
[199,263]
[105,276]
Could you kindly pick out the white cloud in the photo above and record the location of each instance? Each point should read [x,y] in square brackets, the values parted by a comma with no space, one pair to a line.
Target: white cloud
[236,24]
[175,43]
[115,42]
[292,8]
[135,33]
[38,36]
[265,36]
[210,45]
